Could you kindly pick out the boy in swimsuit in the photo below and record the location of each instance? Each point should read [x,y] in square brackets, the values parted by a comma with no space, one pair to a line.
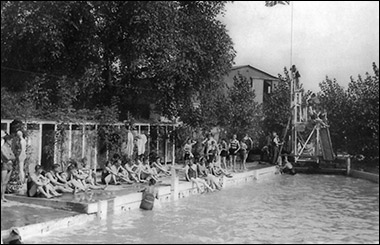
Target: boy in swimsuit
[212,152]
[7,158]
[223,147]
[243,155]
[234,149]
[187,149]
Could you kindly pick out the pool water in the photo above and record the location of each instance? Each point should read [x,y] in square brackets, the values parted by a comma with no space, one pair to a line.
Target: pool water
[282,209]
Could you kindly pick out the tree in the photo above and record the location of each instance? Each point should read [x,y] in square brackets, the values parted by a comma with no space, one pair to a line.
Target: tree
[334,100]
[244,113]
[353,114]
[277,105]
[363,116]
[152,52]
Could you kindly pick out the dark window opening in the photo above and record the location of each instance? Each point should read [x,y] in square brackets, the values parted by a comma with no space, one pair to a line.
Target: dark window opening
[268,87]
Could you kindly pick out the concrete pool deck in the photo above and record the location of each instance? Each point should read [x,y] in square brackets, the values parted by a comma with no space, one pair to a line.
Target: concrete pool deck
[38,216]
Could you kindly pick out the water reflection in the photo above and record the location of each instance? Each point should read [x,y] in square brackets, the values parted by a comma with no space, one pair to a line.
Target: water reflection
[285,209]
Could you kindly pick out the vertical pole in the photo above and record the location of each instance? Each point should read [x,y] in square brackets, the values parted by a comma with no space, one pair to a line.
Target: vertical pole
[8,128]
[291,34]
[40,144]
[317,148]
[149,138]
[166,144]
[173,150]
[158,138]
[174,184]
[295,116]
[348,161]
[55,144]
[84,140]
[294,140]
[70,139]
[96,148]
[293,127]
[107,151]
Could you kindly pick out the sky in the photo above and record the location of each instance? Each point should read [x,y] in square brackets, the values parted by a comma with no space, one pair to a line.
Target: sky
[338,39]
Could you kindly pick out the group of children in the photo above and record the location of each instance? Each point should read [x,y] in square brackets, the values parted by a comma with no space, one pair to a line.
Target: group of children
[79,176]
[202,172]
[140,170]
[225,153]
[214,160]
[76,178]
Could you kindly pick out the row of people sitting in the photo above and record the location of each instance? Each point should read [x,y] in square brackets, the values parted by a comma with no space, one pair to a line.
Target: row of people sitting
[80,177]
[133,171]
[52,183]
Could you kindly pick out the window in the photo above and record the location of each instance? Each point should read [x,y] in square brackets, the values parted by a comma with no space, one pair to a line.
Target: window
[268,87]
[251,84]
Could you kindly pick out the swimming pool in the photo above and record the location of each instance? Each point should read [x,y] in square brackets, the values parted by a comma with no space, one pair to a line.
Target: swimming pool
[282,209]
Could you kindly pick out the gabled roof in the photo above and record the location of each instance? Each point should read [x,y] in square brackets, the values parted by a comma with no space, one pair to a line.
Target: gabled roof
[254,68]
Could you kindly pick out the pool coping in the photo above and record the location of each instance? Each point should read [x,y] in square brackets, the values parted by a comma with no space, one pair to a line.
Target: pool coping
[364,175]
[124,203]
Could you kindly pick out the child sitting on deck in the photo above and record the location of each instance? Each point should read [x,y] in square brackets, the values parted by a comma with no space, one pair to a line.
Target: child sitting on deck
[191,175]
[38,185]
[59,186]
[145,171]
[83,176]
[72,177]
[131,168]
[160,168]
[85,168]
[121,172]
[203,172]
[109,175]
[64,178]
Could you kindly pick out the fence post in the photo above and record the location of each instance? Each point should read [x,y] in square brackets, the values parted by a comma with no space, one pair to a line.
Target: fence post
[348,162]
[174,184]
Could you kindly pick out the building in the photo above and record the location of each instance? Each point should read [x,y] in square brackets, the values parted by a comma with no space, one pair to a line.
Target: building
[262,82]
